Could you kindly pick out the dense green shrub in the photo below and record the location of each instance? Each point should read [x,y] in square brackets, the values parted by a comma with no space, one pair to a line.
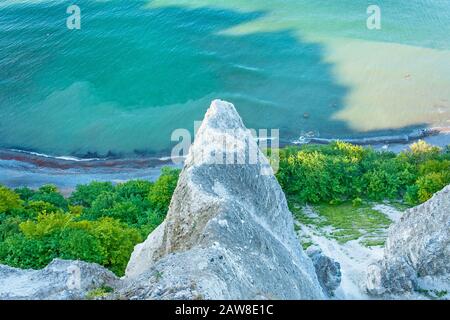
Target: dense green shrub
[24,193]
[84,195]
[80,244]
[9,225]
[421,151]
[50,194]
[430,184]
[117,242]
[22,252]
[99,223]
[135,188]
[137,203]
[342,172]
[9,200]
[161,192]
[106,241]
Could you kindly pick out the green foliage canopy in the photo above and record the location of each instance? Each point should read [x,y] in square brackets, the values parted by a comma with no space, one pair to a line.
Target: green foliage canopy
[100,222]
[342,172]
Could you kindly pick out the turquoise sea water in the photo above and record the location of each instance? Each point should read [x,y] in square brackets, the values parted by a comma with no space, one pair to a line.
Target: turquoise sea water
[137,70]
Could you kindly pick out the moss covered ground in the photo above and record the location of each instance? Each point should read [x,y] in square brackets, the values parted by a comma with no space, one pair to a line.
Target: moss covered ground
[343,222]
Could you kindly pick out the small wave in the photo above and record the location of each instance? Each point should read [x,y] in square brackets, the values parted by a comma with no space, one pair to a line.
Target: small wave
[65,158]
[252,99]
[247,68]
[305,138]
[165,158]
[170,158]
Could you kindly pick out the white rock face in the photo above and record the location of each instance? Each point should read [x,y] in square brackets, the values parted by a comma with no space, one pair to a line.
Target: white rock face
[60,280]
[229,233]
[417,249]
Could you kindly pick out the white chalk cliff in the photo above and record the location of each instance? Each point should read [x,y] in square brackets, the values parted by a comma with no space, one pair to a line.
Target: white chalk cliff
[228,233]
[417,252]
[60,280]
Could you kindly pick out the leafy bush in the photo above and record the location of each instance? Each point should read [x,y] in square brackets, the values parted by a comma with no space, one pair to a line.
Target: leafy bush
[24,193]
[134,189]
[84,195]
[430,184]
[421,151]
[161,192]
[80,244]
[99,223]
[412,195]
[50,194]
[117,242]
[22,252]
[9,225]
[340,172]
[8,200]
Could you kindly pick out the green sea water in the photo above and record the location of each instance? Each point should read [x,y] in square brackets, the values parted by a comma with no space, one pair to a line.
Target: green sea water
[137,70]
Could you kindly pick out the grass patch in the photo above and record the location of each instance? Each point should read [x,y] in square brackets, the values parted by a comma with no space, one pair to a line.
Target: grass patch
[432,294]
[400,206]
[346,222]
[346,216]
[306,244]
[299,214]
[373,242]
[100,292]
[440,294]
[352,223]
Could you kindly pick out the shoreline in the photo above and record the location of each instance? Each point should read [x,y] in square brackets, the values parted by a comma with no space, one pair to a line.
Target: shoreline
[437,136]
[141,160]
[22,168]
[371,141]
[29,169]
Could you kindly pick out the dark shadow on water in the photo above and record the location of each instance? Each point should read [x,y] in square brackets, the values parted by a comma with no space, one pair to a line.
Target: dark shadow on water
[138,58]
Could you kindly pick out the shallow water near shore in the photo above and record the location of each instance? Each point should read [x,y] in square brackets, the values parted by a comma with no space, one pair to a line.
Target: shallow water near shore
[18,169]
[137,70]
[15,174]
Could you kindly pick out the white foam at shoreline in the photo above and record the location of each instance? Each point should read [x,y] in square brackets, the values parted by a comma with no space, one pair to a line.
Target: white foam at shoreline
[66,158]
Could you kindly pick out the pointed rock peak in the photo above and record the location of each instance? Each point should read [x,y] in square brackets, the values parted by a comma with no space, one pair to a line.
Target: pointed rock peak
[223,139]
[222,115]
[228,230]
